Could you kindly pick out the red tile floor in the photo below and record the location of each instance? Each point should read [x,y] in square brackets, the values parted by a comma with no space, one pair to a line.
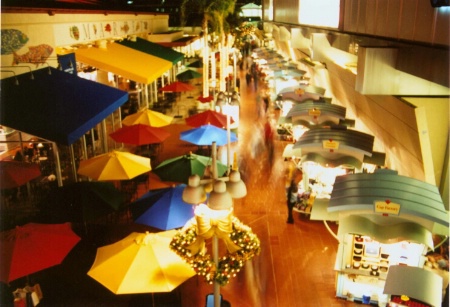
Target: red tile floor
[294,268]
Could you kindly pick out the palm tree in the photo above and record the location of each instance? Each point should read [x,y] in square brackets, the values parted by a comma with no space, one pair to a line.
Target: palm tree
[215,13]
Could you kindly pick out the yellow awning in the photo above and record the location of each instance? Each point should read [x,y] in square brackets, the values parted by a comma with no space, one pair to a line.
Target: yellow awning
[126,62]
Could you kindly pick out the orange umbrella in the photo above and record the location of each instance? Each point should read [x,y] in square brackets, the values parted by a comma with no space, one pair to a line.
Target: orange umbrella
[115,165]
[149,118]
[155,183]
[208,117]
[177,87]
[140,134]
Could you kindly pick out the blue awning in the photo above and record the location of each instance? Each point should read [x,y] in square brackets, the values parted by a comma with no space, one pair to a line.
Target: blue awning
[58,107]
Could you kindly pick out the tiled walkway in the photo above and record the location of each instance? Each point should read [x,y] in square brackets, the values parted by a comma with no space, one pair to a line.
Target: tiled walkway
[295,267]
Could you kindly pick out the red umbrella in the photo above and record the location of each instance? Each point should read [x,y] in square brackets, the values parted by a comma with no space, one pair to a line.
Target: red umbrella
[208,117]
[177,87]
[140,134]
[13,174]
[34,247]
[205,99]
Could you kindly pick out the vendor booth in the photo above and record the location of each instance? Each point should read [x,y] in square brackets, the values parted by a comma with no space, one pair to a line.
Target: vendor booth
[386,228]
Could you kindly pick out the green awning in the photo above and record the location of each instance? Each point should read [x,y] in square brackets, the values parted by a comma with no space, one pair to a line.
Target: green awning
[154,49]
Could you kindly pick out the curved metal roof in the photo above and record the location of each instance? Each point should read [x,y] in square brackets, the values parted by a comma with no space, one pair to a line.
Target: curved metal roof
[324,161]
[317,112]
[360,191]
[348,142]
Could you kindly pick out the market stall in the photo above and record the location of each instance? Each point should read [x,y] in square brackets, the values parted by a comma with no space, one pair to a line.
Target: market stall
[386,228]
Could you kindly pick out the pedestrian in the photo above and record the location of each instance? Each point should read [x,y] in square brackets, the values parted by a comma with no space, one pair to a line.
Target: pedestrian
[269,138]
[292,193]
[248,78]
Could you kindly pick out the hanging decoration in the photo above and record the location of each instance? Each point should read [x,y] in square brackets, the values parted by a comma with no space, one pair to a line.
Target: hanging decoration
[242,245]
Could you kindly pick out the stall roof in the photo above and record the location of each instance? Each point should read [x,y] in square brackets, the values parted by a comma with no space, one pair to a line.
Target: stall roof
[336,142]
[154,49]
[126,62]
[417,198]
[414,282]
[314,112]
[59,107]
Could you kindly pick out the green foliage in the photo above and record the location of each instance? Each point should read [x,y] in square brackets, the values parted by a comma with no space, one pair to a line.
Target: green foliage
[215,13]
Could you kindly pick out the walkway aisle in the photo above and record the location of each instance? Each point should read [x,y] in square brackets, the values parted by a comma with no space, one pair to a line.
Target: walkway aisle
[295,267]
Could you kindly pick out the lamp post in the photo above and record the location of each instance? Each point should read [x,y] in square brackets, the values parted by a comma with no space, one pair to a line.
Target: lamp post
[220,202]
[228,103]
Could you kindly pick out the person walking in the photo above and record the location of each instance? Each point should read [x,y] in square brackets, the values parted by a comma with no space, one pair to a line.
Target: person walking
[292,193]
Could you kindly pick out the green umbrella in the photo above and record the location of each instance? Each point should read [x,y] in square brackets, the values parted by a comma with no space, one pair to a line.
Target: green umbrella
[188,74]
[82,201]
[179,169]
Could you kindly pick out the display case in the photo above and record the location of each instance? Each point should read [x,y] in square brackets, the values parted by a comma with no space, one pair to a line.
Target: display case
[365,263]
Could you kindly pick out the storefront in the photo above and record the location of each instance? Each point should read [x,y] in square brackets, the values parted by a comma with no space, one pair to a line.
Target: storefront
[386,228]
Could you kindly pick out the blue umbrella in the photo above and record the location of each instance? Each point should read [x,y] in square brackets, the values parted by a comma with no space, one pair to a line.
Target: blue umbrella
[206,135]
[163,209]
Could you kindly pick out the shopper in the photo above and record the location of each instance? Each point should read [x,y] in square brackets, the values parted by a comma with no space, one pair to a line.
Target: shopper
[292,193]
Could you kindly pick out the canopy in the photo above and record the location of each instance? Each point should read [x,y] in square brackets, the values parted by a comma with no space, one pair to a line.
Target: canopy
[417,199]
[315,112]
[154,49]
[56,106]
[334,143]
[126,62]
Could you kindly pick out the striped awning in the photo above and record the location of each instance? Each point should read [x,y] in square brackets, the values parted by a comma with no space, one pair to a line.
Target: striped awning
[126,62]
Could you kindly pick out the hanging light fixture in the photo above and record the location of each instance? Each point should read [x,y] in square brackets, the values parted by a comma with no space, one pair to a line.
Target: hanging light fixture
[220,198]
[235,186]
[194,193]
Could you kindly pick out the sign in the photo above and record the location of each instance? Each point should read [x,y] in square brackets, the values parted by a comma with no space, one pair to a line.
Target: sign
[330,144]
[314,112]
[387,207]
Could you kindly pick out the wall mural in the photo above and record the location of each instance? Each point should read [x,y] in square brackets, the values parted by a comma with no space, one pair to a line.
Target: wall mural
[12,40]
[69,34]
[36,55]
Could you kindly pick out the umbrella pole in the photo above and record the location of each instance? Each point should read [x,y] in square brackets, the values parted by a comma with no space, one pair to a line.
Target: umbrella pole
[74,167]
[93,141]
[215,250]
[58,164]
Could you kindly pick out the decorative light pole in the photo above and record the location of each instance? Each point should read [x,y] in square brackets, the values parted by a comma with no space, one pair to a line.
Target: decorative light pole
[214,220]
[228,104]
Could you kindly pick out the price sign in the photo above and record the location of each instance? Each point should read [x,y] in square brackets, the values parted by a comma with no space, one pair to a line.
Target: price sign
[387,207]
[330,144]
[314,112]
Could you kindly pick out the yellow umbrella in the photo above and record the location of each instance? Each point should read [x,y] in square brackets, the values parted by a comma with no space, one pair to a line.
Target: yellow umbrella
[148,117]
[115,165]
[140,263]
